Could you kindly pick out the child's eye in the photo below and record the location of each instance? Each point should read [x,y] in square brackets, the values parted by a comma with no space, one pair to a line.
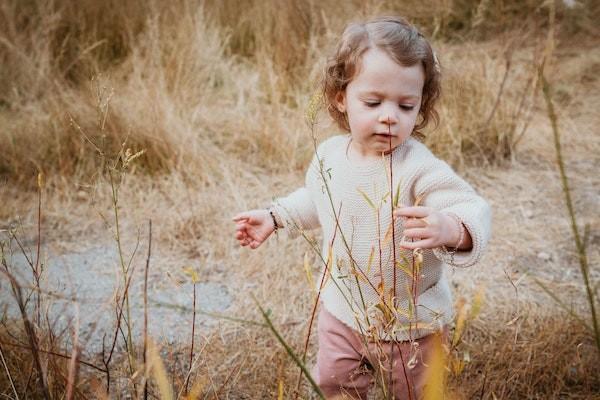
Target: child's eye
[406,107]
[372,103]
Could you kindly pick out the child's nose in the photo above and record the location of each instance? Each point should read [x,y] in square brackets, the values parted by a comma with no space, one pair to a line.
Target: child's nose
[388,118]
[388,113]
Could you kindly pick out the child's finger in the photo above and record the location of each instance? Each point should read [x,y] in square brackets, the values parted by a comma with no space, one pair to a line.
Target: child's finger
[416,233]
[419,244]
[414,223]
[413,212]
[240,217]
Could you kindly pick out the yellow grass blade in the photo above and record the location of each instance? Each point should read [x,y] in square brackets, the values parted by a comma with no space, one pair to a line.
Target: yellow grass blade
[308,270]
[460,321]
[328,264]
[477,302]
[415,325]
[384,197]
[396,196]
[388,234]
[191,272]
[280,390]
[370,262]
[367,199]
[197,389]
[40,180]
[436,372]
[404,268]
[159,372]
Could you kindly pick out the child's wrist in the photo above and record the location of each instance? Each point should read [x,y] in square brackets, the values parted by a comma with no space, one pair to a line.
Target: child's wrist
[457,237]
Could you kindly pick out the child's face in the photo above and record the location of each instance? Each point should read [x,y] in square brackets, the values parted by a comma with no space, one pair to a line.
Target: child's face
[384,97]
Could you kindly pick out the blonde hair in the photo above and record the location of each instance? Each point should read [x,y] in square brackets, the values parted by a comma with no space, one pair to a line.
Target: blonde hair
[403,43]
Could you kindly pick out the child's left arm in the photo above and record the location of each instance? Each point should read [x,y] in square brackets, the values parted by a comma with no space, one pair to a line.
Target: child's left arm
[454,220]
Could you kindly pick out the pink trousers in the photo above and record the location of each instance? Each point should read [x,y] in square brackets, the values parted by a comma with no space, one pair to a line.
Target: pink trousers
[346,367]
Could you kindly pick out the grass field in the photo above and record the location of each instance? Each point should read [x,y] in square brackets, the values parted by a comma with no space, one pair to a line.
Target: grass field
[215,96]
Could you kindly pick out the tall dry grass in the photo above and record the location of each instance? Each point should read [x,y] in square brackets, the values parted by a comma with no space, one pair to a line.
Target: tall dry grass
[193,82]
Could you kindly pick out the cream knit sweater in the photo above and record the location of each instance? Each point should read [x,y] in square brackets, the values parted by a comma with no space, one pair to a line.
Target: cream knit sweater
[360,195]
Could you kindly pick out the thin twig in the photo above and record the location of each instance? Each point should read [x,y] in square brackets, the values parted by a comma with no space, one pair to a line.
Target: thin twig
[37,271]
[146,310]
[55,354]
[30,331]
[12,385]
[314,308]
[187,380]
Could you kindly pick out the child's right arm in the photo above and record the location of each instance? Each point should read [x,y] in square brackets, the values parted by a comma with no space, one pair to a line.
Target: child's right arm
[254,227]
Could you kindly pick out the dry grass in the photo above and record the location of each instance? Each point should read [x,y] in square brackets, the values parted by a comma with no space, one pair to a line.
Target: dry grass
[193,83]
[216,93]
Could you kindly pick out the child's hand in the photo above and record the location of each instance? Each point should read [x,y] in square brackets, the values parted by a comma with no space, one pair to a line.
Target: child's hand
[428,228]
[253,227]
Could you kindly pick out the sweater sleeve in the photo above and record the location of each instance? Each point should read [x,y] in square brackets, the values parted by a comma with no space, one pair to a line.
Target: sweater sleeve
[441,188]
[297,210]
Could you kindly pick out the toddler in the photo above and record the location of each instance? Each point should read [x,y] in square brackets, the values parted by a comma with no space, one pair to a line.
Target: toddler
[392,215]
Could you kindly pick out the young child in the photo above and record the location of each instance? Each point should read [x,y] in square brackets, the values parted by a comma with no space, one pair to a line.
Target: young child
[377,321]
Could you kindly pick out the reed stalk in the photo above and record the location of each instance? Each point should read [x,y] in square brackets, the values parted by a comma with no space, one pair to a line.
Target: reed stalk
[579,243]
[145,355]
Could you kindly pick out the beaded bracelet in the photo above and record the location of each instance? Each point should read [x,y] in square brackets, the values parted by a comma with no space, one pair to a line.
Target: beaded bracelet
[275,224]
[461,236]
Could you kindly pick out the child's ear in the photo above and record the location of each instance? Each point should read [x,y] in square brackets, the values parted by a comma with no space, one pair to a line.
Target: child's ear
[340,101]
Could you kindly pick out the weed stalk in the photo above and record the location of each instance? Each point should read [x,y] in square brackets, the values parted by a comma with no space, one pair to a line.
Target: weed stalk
[579,243]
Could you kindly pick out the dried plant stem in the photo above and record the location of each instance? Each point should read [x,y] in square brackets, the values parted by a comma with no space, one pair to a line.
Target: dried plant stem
[187,379]
[499,95]
[36,271]
[579,243]
[314,310]
[73,369]
[124,271]
[106,360]
[12,385]
[145,355]
[55,354]
[393,305]
[289,350]
[29,330]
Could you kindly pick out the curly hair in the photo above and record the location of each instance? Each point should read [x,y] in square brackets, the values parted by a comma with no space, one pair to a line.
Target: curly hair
[403,43]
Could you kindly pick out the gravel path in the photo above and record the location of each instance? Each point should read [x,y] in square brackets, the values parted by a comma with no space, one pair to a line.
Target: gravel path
[91,276]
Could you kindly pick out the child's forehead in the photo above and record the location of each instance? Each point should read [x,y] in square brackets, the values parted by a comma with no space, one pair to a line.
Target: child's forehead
[379,74]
